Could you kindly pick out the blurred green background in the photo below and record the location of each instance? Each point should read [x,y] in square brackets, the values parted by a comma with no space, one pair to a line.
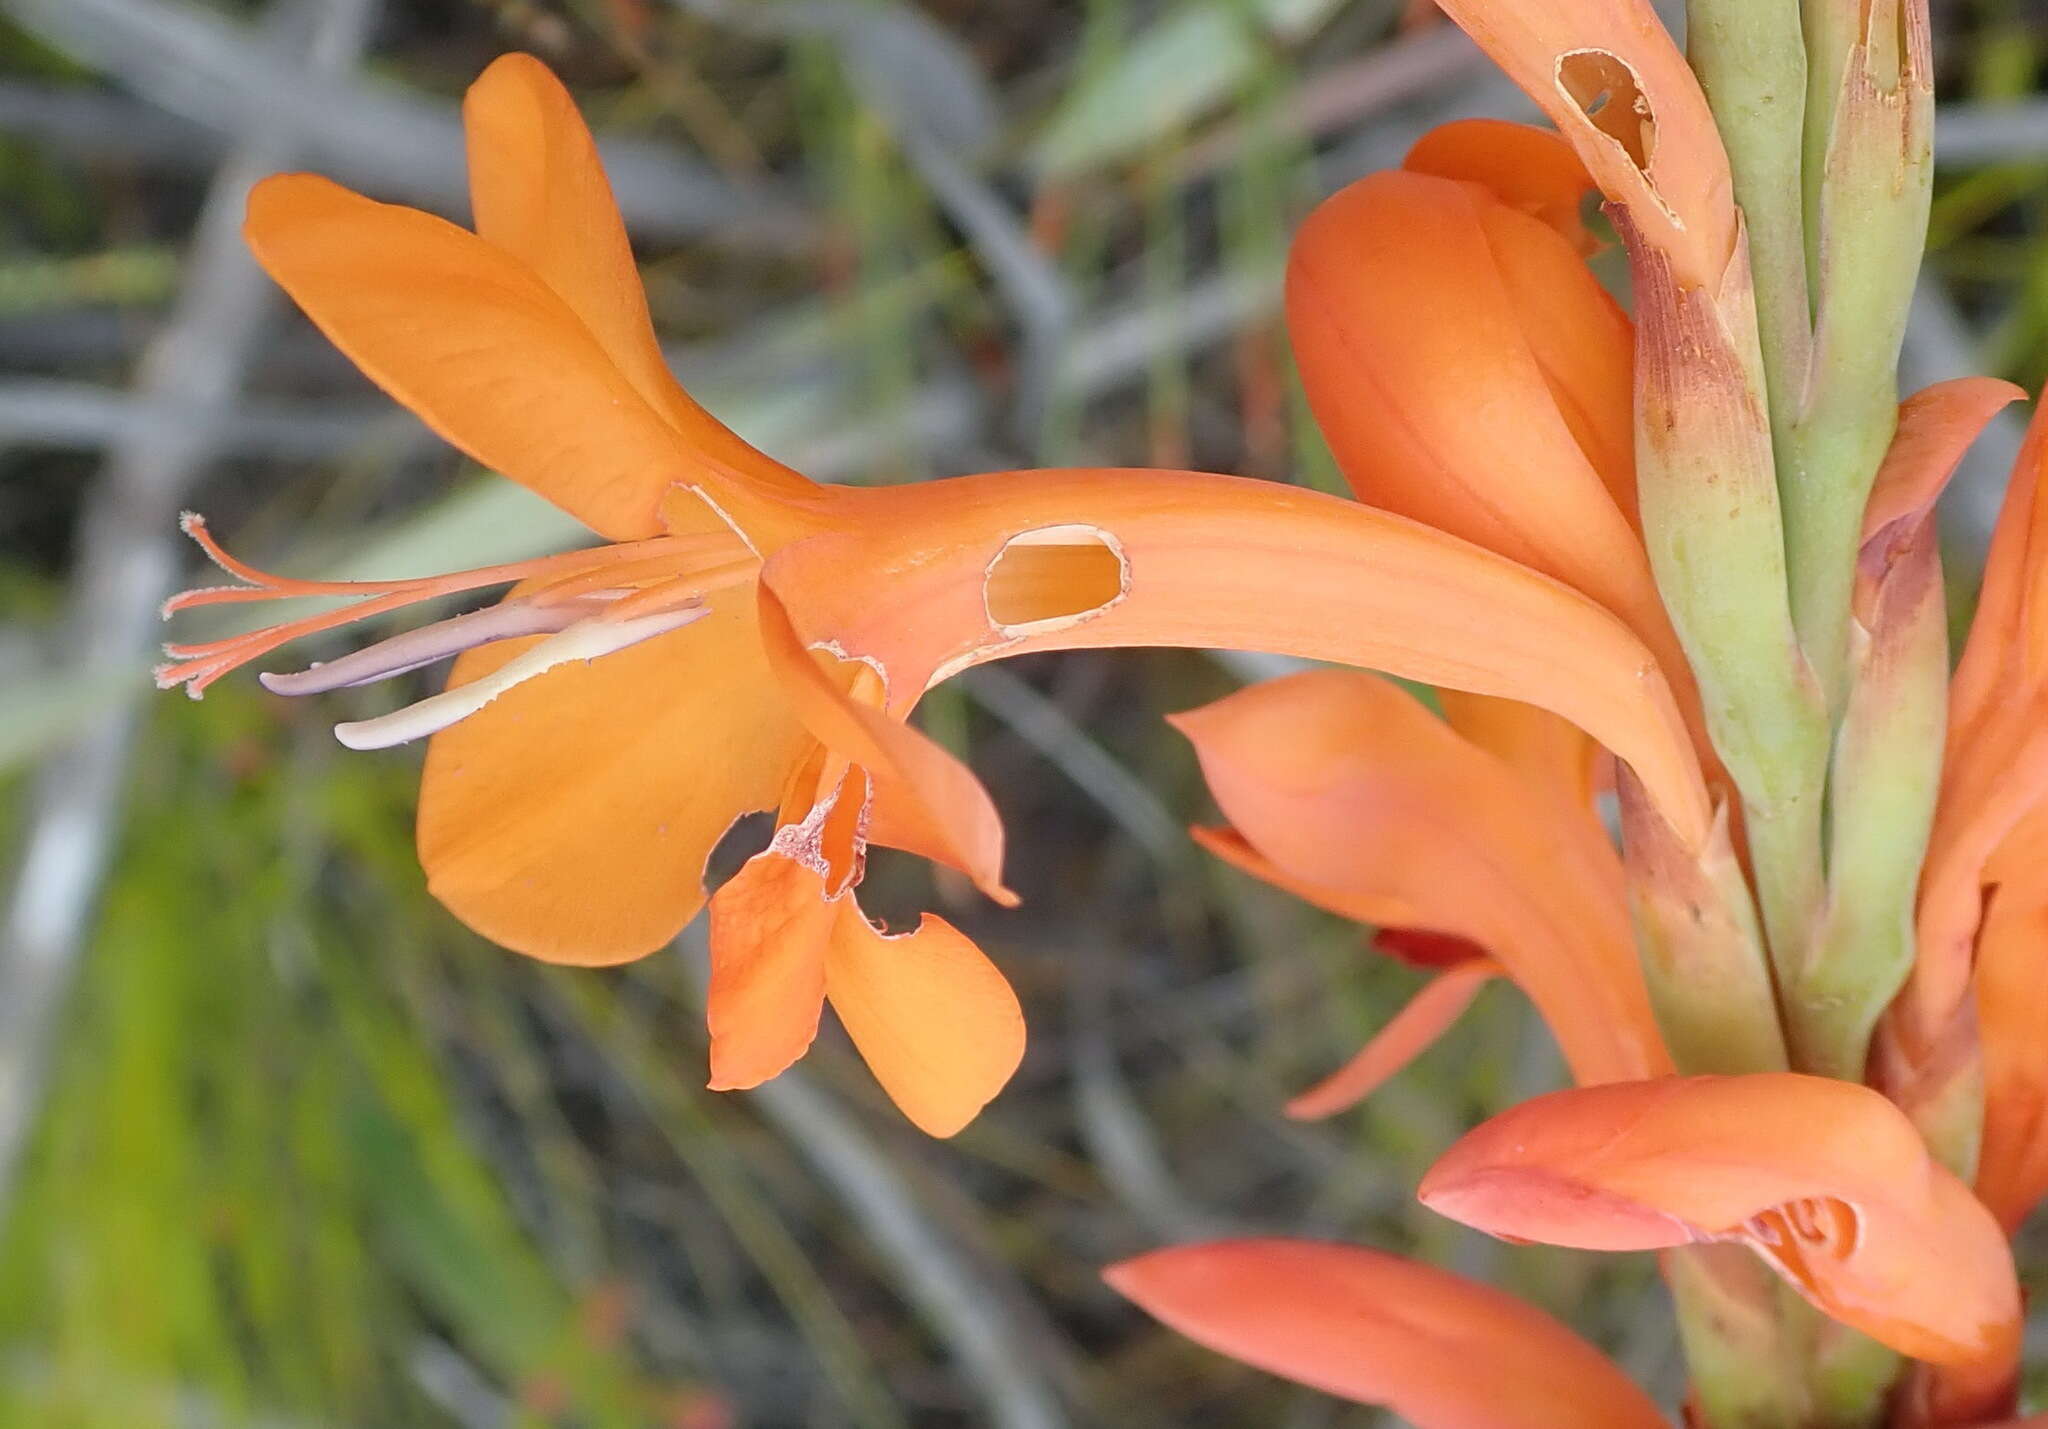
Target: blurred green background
[282,1145]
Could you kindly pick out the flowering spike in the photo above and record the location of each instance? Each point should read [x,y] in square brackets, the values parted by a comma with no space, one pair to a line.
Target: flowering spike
[1751,60]
[1869,174]
[1711,522]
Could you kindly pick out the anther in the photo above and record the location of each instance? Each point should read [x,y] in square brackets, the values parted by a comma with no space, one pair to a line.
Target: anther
[431,643]
[588,639]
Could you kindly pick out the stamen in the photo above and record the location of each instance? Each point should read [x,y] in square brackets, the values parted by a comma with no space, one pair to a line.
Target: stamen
[668,595]
[430,643]
[630,575]
[685,567]
[586,640]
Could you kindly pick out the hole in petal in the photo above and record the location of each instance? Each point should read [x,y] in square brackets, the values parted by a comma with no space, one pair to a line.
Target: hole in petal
[1805,1236]
[748,835]
[1606,91]
[1054,576]
[897,887]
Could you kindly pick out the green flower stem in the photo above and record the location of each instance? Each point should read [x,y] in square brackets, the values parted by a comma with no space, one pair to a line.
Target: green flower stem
[1744,1365]
[1868,175]
[1835,450]
[1702,952]
[1832,29]
[1949,1110]
[1761,1357]
[1712,528]
[1750,57]
[1851,1373]
[1887,775]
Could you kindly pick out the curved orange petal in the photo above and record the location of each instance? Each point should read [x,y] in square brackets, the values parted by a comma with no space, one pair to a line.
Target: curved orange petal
[1440,1351]
[1526,168]
[1827,1180]
[1369,908]
[2012,1009]
[1407,1035]
[1421,343]
[1989,786]
[937,808]
[1936,426]
[1583,344]
[770,927]
[2006,636]
[478,347]
[1221,562]
[571,817]
[2018,867]
[1995,770]
[1554,756]
[539,192]
[1345,781]
[935,1020]
[1607,74]
[1391,919]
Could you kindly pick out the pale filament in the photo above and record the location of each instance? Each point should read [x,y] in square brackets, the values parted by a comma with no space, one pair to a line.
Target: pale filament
[586,640]
[634,589]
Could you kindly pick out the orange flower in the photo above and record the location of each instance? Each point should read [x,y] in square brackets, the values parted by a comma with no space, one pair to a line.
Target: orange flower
[1996,769]
[1440,1351]
[1827,1180]
[750,639]
[1469,372]
[1978,996]
[1467,391]
[1349,785]
[1607,75]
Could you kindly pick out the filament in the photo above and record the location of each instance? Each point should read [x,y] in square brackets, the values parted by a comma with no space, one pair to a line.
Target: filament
[618,584]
